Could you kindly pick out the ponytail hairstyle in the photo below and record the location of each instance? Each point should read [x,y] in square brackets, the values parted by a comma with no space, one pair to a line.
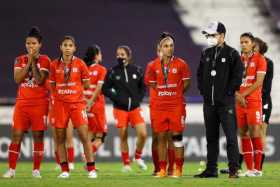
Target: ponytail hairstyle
[128,52]
[91,53]
[35,32]
[262,45]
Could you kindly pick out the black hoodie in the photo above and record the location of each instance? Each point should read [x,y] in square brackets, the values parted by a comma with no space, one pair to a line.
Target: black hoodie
[124,85]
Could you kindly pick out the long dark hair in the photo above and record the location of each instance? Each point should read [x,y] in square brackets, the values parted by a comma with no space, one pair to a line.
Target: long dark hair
[91,53]
[262,45]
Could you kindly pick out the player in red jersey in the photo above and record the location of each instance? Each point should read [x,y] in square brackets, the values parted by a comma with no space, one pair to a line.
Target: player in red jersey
[170,77]
[31,109]
[68,77]
[95,99]
[170,147]
[249,106]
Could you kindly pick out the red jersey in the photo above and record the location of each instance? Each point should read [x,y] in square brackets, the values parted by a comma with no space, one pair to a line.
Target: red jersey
[29,92]
[68,79]
[97,74]
[169,91]
[253,65]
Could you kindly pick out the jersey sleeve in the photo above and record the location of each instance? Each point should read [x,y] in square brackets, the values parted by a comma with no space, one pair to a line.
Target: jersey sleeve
[17,64]
[261,68]
[45,64]
[150,74]
[186,73]
[52,78]
[84,72]
[101,76]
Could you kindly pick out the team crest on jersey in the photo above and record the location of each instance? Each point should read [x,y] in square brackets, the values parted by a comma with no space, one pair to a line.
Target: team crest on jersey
[223,60]
[118,77]
[252,64]
[94,73]
[75,70]
[207,59]
[134,76]
[157,71]
[174,70]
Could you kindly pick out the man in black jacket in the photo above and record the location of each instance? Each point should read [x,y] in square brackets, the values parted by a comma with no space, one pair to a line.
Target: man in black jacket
[124,85]
[219,75]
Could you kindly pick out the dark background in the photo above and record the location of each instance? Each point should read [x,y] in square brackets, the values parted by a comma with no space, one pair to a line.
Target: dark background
[108,23]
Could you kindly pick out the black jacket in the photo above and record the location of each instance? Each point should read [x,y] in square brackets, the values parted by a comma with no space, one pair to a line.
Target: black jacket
[267,83]
[124,85]
[219,88]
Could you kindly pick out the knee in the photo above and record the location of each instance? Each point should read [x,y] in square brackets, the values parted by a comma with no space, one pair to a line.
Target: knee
[142,135]
[178,140]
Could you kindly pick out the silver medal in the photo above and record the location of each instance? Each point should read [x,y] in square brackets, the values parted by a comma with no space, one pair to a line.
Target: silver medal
[213,73]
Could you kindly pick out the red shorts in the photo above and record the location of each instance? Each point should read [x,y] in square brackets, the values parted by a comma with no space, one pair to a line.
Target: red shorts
[34,116]
[123,118]
[169,120]
[97,120]
[64,111]
[251,115]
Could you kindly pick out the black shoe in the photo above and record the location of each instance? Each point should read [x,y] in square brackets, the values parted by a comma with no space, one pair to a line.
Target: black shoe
[233,173]
[224,171]
[207,174]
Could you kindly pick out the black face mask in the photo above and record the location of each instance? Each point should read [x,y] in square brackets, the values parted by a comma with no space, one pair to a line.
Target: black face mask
[120,61]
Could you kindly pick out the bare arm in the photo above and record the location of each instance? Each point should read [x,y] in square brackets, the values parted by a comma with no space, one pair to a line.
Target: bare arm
[20,74]
[39,75]
[256,85]
[187,84]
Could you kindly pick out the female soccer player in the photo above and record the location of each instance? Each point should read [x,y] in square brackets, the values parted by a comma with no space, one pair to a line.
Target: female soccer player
[249,105]
[95,98]
[31,109]
[68,77]
[124,85]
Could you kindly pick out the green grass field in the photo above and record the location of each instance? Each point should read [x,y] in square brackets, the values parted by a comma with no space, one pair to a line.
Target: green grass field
[109,175]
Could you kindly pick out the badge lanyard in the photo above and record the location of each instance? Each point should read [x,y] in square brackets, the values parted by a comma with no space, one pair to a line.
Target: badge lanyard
[165,71]
[67,71]
[217,53]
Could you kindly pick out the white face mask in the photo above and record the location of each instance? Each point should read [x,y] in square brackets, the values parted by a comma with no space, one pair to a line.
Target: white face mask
[212,41]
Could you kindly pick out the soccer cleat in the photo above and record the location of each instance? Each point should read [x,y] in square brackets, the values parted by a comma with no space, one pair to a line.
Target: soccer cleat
[64,175]
[71,166]
[36,174]
[126,169]
[258,173]
[92,174]
[141,164]
[248,173]
[177,173]
[11,173]
[161,174]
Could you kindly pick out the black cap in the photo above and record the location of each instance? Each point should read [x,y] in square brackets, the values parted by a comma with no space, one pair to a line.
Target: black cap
[214,27]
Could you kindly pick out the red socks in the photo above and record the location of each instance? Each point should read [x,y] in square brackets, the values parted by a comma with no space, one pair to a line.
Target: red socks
[162,165]
[155,159]
[70,153]
[14,150]
[38,152]
[171,159]
[258,151]
[64,167]
[138,154]
[247,150]
[125,158]
[90,166]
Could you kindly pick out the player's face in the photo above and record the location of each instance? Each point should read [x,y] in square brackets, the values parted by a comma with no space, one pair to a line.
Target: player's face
[121,53]
[167,47]
[32,45]
[246,44]
[98,57]
[68,47]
